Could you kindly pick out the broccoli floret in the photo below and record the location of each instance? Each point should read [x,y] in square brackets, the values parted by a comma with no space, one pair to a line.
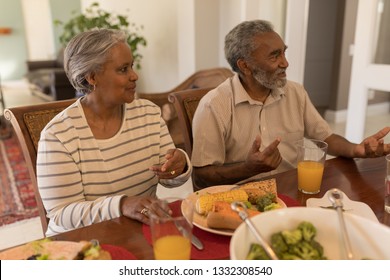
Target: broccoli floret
[288,256]
[317,246]
[308,230]
[264,201]
[257,252]
[305,251]
[272,206]
[297,244]
[292,237]
[248,204]
[278,244]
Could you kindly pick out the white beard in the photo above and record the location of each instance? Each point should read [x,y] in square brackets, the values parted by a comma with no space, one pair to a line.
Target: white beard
[273,82]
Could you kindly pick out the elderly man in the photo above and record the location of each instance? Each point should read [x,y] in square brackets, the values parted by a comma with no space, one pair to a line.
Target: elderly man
[246,128]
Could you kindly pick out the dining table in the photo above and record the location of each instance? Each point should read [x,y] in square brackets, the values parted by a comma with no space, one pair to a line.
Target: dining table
[360,179]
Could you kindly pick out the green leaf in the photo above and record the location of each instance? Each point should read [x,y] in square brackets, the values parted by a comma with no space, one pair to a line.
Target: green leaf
[94,16]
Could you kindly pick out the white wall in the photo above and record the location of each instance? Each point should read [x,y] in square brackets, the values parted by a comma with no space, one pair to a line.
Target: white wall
[274,11]
[296,29]
[187,35]
[160,58]
[186,39]
[183,36]
[39,33]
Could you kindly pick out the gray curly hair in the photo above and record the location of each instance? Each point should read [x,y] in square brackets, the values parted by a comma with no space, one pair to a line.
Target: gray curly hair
[239,41]
[87,52]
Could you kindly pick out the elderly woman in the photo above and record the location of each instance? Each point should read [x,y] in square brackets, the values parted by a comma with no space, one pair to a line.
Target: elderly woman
[103,156]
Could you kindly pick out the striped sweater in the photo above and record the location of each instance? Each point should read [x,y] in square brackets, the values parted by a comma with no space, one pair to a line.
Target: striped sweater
[82,179]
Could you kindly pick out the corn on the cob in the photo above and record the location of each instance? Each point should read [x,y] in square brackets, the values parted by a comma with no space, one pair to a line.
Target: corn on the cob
[205,202]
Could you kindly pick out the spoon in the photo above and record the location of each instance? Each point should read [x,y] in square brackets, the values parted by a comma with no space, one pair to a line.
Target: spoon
[240,208]
[335,196]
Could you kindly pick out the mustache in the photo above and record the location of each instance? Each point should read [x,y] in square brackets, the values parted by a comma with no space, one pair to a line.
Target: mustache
[280,71]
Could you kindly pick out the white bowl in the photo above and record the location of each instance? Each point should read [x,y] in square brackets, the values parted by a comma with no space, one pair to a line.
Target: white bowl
[368,239]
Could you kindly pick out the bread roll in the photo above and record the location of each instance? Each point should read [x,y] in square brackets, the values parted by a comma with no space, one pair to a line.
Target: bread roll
[223,217]
[260,188]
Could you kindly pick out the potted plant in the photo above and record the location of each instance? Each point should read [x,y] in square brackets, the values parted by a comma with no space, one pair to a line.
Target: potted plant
[94,16]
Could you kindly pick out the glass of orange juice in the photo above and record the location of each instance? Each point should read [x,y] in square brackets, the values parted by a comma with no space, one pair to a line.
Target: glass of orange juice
[171,228]
[311,155]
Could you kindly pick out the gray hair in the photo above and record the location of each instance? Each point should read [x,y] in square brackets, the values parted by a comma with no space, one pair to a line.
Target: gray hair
[87,52]
[239,43]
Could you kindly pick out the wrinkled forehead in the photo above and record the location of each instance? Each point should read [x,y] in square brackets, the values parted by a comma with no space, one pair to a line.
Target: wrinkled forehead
[269,42]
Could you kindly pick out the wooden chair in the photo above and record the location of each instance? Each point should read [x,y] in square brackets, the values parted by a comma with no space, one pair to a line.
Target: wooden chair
[206,78]
[28,122]
[185,103]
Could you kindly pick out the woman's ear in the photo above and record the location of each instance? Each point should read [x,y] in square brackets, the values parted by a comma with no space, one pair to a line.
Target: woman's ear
[243,66]
[91,79]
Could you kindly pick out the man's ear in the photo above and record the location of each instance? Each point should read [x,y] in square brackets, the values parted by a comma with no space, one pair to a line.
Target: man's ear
[243,66]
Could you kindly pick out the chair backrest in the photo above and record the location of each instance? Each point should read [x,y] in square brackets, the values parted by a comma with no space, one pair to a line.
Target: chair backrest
[185,103]
[28,122]
[205,78]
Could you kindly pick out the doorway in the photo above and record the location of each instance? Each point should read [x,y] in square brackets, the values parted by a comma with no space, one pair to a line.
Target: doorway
[323,51]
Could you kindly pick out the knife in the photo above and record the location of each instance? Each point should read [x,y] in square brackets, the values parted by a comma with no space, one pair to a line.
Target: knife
[194,240]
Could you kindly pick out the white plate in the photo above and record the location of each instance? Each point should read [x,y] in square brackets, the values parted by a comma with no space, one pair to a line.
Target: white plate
[200,220]
[350,206]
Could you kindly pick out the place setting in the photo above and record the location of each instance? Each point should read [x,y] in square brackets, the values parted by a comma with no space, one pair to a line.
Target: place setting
[179,230]
[208,214]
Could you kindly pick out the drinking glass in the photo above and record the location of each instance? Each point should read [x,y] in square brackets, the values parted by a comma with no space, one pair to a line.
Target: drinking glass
[172,228]
[387,185]
[311,155]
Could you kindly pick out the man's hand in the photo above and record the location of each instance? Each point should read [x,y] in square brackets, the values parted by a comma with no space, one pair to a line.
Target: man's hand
[373,146]
[266,160]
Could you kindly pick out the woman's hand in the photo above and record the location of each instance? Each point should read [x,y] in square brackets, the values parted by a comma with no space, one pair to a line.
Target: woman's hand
[174,165]
[140,208]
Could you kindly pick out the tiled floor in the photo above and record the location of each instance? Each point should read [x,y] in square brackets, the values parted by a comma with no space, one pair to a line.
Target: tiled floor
[16,93]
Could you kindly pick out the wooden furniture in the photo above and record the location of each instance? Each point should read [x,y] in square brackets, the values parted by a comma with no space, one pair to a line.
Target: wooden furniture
[360,179]
[5,130]
[28,122]
[205,78]
[48,80]
[185,103]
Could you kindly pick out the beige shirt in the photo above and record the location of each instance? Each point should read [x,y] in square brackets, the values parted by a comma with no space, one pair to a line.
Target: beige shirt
[227,121]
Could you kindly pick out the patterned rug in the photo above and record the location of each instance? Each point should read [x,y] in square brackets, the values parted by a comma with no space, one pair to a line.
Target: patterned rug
[17,200]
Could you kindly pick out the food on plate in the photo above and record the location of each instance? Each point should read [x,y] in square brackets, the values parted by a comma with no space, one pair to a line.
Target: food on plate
[258,189]
[257,196]
[267,202]
[47,249]
[205,202]
[223,217]
[295,244]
